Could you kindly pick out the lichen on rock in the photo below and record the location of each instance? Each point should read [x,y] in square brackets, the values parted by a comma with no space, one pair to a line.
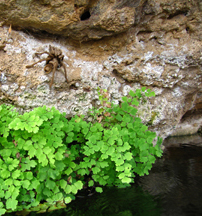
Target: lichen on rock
[116,45]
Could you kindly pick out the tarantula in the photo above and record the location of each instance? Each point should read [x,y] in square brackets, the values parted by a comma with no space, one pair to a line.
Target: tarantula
[53,61]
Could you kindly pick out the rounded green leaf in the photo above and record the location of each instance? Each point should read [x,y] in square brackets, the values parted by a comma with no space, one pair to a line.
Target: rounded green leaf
[99,189]
[78,185]
[11,204]
[90,183]
[74,189]
[35,183]
[50,184]
[68,171]
[121,176]
[143,89]
[68,200]
[17,183]
[63,183]
[2,211]
[47,192]
[26,183]
[126,180]
[8,182]
[68,189]
[95,170]
[29,175]
[4,174]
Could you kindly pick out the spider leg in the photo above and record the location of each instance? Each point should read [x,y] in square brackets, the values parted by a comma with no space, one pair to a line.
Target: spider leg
[54,69]
[29,66]
[63,65]
[42,53]
[54,62]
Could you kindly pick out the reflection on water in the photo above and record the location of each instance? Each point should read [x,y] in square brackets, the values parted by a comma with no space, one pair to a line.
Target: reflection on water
[113,202]
[176,179]
[173,188]
[116,202]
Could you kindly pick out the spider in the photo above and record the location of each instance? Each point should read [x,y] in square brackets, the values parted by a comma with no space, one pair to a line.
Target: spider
[53,61]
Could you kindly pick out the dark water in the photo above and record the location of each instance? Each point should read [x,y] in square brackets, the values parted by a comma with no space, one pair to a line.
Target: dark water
[173,188]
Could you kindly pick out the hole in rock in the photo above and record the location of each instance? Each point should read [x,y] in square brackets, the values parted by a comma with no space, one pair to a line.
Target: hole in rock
[195,111]
[115,72]
[85,15]
[180,12]
[73,86]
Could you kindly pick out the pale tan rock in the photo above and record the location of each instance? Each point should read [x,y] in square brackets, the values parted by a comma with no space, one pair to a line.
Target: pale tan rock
[118,20]
[123,45]
[81,20]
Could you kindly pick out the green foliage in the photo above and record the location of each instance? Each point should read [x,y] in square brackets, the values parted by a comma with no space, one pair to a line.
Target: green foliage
[45,157]
[119,143]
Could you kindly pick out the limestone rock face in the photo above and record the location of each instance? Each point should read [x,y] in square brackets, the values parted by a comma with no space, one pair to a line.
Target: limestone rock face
[117,45]
[80,19]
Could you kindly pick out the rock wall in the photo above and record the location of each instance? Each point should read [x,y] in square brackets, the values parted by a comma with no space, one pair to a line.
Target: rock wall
[115,44]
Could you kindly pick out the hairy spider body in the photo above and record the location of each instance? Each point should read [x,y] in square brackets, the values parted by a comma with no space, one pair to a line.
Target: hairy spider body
[53,61]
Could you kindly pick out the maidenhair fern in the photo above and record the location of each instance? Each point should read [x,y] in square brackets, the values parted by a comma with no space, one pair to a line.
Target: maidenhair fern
[45,157]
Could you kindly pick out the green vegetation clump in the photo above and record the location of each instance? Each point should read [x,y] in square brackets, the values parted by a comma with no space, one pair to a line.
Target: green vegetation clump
[46,157]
